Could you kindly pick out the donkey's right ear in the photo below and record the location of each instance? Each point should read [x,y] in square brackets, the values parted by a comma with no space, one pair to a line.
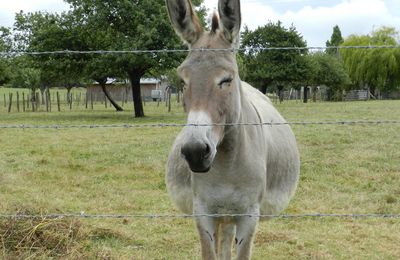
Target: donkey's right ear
[184,20]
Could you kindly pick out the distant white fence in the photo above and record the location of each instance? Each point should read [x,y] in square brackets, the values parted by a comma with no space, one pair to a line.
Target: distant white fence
[357,95]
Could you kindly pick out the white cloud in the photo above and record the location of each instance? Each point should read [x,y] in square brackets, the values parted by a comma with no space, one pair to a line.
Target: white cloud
[8,8]
[316,23]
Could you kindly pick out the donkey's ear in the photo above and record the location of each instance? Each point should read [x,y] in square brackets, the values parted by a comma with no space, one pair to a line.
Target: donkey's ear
[184,20]
[229,12]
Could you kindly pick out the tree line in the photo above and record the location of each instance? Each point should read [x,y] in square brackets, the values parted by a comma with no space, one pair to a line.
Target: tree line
[128,25]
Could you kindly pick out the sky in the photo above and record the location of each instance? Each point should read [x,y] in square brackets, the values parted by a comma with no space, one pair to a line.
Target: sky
[314,19]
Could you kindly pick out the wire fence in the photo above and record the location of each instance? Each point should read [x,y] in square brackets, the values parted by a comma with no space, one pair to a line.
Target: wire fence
[138,51]
[161,125]
[83,215]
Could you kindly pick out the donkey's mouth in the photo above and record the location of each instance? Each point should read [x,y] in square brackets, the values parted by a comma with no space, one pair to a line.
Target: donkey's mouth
[200,170]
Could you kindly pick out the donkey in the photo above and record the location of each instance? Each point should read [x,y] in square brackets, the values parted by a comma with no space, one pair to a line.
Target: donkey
[218,165]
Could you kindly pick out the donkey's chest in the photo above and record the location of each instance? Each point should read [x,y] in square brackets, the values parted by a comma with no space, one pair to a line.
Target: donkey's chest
[232,193]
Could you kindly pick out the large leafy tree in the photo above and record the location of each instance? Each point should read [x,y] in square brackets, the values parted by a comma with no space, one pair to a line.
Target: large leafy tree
[5,45]
[280,68]
[39,32]
[327,70]
[128,25]
[376,69]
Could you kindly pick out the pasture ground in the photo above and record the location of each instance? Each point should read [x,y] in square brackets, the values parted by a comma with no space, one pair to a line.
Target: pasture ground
[345,169]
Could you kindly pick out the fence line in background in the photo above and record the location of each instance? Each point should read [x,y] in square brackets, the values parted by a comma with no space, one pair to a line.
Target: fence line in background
[82,215]
[162,125]
[137,51]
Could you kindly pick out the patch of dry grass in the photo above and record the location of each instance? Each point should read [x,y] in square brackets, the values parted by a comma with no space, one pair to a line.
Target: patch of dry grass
[40,237]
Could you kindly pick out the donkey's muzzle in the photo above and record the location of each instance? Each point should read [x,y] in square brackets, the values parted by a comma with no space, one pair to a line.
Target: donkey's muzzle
[197,155]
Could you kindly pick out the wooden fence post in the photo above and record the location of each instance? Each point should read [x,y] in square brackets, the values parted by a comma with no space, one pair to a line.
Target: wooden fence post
[169,99]
[23,101]
[91,100]
[32,99]
[37,99]
[17,101]
[5,101]
[49,100]
[10,102]
[46,101]
[27,101]
[58,102]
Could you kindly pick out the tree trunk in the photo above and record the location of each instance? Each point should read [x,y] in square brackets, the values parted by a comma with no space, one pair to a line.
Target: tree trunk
[134,77]
[108,96]
[265,84]
[280,93]
[264,89]
[69,97]
[305,95]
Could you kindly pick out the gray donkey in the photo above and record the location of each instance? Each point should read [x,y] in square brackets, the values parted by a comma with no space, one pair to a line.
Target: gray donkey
[220,166]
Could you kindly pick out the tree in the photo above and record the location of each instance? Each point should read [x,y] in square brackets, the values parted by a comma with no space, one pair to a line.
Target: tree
[327,70]
[336,40]
[376,69]
[273,67]
[38,32]
[5,45]
[127,25]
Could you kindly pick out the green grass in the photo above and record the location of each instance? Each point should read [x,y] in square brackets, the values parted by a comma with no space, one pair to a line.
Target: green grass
[345,169]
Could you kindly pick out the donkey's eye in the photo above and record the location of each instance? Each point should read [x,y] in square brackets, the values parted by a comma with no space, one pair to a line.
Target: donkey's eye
[226,80]
[183,84]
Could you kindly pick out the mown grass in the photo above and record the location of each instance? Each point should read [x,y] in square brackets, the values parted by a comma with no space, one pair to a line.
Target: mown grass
[345,169]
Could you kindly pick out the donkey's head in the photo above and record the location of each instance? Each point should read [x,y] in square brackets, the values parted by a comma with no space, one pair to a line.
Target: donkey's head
[211,79]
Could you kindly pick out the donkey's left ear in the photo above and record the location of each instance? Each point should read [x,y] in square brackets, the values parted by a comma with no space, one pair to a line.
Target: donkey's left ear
[184,20]
[229,12]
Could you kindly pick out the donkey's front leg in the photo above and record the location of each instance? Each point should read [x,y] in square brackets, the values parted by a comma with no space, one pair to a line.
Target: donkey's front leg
[245,230]
[207,228]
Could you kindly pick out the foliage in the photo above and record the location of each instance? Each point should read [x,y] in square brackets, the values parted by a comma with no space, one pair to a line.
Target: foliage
[51,32]
[127,25]
[5,45]
[373,68]
[336,40]
[326,69]
[277,67]
[27,78]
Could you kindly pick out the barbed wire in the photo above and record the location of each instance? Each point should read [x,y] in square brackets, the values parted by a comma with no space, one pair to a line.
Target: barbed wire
[162,125]
[83,215]
[138,51]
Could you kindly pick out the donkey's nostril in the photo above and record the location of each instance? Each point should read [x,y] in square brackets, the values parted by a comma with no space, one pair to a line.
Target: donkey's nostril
[196,151]
[207,151]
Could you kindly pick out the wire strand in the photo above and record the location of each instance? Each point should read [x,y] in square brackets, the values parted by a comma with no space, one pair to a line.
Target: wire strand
[83,215]
[137,51]
[162,125]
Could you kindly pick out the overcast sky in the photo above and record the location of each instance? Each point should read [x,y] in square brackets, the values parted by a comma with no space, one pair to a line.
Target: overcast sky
[314,19]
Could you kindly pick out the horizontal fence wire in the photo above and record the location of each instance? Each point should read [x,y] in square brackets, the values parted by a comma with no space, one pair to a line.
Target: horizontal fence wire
[82,215]
[162,125]
[137,51]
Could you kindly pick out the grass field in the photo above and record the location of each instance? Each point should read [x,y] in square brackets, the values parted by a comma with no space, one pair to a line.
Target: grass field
[345,169]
